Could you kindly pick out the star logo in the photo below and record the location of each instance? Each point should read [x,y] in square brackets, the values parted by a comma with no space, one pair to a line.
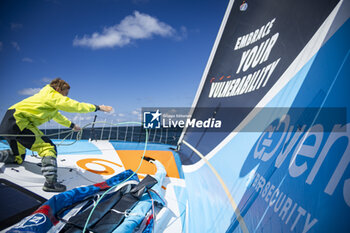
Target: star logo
[156,115]
[152,119]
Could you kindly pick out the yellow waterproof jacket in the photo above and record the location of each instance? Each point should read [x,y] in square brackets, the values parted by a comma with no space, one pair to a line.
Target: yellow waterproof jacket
[44,106]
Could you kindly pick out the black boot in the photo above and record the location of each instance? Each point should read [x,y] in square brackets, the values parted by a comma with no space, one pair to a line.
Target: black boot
[6,156]
[54,187]
[49,170]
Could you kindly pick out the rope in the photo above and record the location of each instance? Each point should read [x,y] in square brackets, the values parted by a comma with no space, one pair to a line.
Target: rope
[79,136]
[70,132]
[134,172]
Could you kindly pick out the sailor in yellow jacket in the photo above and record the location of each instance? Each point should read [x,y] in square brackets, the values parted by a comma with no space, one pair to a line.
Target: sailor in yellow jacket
[24,117]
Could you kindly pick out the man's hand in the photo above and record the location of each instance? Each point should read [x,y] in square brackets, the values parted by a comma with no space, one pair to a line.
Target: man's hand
[76,128]
[104,108]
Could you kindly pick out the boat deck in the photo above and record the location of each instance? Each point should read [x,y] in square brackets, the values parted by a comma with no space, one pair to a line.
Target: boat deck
[89,162]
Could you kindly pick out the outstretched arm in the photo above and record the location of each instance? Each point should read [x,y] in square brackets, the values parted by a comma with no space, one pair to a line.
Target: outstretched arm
[102,108]
[64,103]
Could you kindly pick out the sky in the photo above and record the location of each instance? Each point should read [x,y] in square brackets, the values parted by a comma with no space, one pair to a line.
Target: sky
[127,54]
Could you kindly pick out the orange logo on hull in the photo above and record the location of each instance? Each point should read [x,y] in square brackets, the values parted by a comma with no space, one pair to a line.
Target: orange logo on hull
[108,170]
[131,159]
